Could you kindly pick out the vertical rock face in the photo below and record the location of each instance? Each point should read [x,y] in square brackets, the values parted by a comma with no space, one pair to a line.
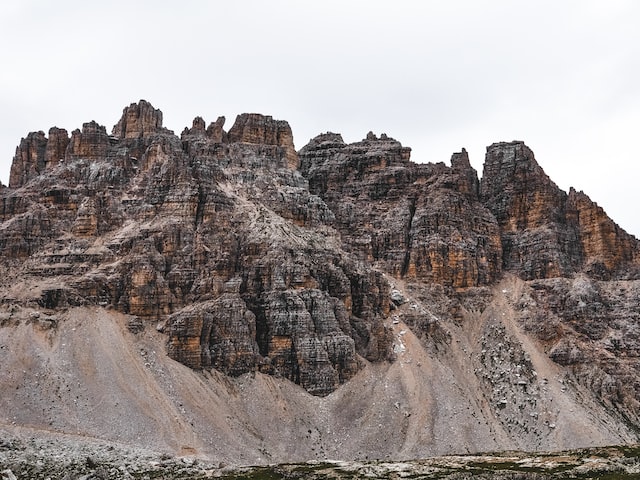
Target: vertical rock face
[545,232]
[29,159]
[252,258]
[264,130]
[468,183]
[214,234]
[605,246]
[138,120]
[197,128]
[517,191]
[219,334]
[419,221]
[215,131]
[56,146]
[91,143]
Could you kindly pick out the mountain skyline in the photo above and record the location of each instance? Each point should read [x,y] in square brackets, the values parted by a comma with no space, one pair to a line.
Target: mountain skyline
[437,76]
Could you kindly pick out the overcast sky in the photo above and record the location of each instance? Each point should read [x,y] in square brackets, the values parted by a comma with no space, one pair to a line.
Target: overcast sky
[564,76]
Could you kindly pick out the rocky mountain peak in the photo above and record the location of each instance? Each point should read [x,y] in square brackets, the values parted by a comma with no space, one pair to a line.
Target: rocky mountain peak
[460,160]
[29,159]
[460,164]
[199,135]
[198,127]
[156,211]
[258,129]
[517,189]
[57,144]
[233,270]
[545,232]
[215,130]
[414,220]
[91,143]
[138,120]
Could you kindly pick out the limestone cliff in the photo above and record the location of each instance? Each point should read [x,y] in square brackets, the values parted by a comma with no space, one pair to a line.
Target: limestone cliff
[417,221]
[545,231]
[216,235]
[415,298]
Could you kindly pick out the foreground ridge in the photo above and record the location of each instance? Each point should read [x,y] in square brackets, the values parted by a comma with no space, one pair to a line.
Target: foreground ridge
[219,271]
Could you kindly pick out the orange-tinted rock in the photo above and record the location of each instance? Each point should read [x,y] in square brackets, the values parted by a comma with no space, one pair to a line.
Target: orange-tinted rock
[215,131]
[214,234]
[86,222]
[545,232]
[516,189]
[197,128]
[56,146]
[605,246]
[138,120]
[421,222]
[29,160]
[25,234]
[92,143]
[259,129]
[253,265]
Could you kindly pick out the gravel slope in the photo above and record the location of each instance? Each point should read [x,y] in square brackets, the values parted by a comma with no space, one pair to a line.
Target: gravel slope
[84,373]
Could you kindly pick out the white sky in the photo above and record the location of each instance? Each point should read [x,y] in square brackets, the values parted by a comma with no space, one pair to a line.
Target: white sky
[562,75]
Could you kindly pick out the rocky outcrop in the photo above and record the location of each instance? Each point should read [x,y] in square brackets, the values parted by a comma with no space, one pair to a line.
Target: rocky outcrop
[545,232]
[56,149]
[252,258]
[591,327]
[138,120]
[258,129]
[92,143]
[215,235]
[531,212]
[606,248]
[224,331]
[421,222]
[215,131]
[29,160]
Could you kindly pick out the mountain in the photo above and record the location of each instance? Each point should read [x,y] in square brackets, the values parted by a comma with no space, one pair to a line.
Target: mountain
[224,295]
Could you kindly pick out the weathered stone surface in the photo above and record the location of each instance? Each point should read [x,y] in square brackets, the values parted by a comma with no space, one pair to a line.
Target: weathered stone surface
[530,210]
[251,264]
[23,235]
[592,327]
[138,120]
[519,193]
[216,234]
[91,143]
[219,333]
[605,246]
[198,127]
[215,131]
[86,223]
[545,232]
[419,221]
[56,147]
[29,160]
[259,129]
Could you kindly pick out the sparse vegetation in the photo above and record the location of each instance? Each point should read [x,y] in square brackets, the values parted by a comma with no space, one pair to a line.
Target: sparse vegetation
[40,459]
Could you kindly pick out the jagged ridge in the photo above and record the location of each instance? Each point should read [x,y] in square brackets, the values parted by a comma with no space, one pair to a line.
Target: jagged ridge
[253,258]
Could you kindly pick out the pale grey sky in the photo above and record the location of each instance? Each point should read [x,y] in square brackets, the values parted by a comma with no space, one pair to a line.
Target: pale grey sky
[564,76]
